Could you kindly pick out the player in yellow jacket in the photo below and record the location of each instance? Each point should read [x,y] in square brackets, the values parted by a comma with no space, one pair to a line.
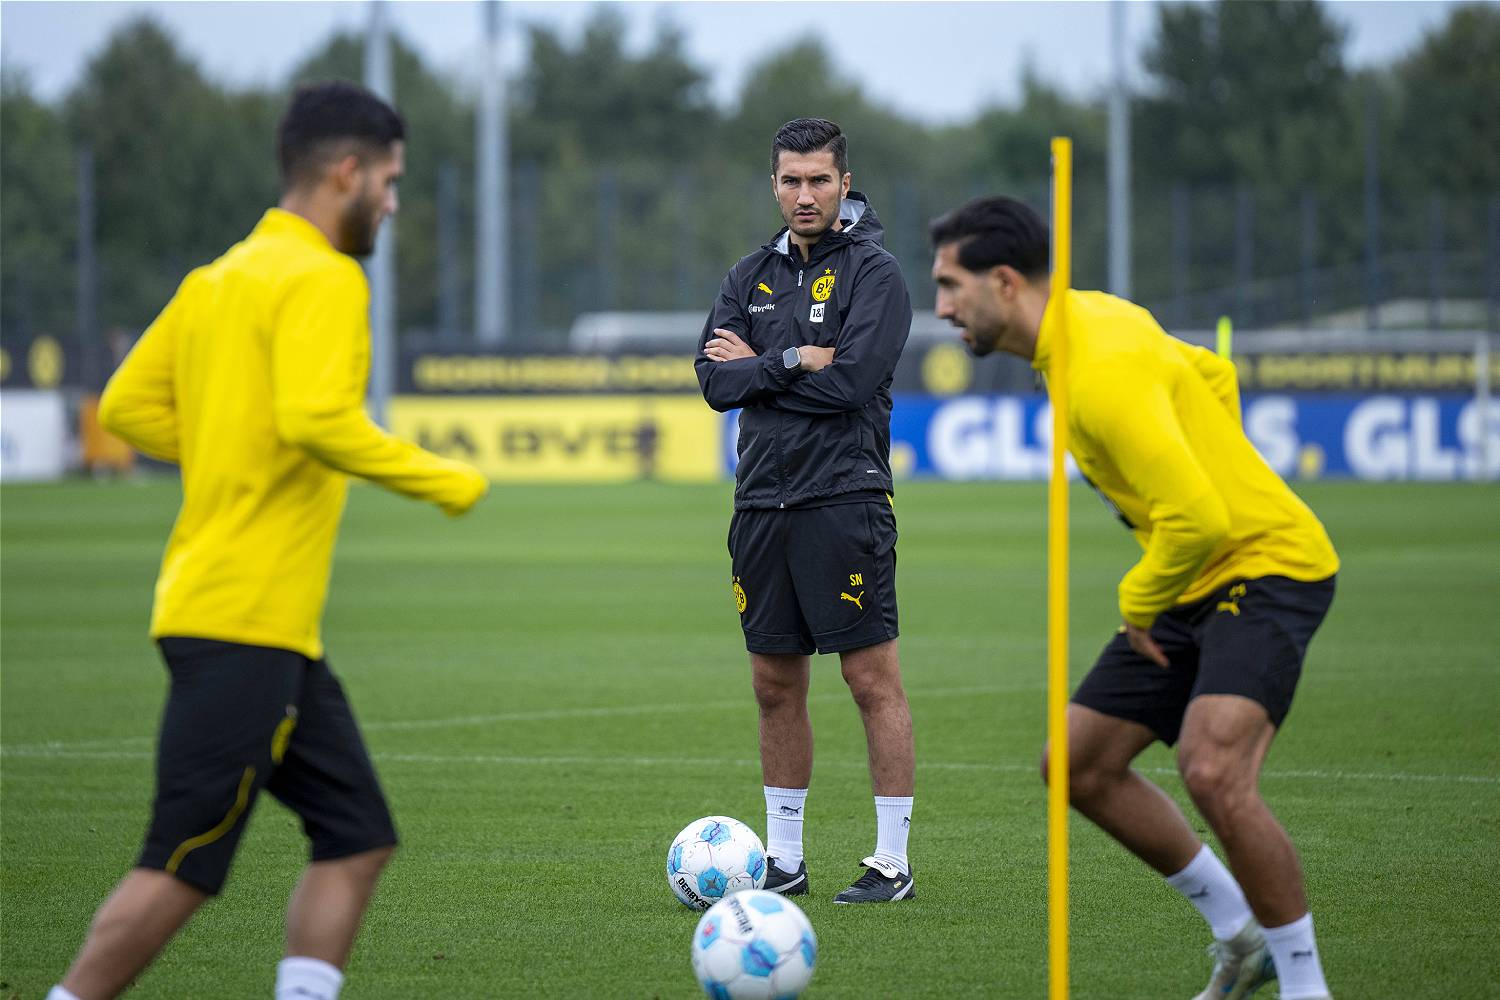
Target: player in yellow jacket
[1236,575]
[252,379]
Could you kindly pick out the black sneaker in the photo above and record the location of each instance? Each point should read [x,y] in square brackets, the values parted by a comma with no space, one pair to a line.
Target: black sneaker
[777,880]
[881,883]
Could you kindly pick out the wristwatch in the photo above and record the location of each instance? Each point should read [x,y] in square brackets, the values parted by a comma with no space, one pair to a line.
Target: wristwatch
[791,359]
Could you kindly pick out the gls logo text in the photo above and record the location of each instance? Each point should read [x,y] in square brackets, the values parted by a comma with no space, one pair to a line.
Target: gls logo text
[1301,436]
[991,437]
[1378,437]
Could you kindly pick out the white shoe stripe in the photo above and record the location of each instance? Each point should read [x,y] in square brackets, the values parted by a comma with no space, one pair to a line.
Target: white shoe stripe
[789,885]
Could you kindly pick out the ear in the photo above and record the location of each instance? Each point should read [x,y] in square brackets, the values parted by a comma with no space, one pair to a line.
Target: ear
[345,173]
[848,178]
[1009,281]
[775,190]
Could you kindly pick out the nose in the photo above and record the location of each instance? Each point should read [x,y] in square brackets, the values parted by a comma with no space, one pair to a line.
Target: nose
[944,308]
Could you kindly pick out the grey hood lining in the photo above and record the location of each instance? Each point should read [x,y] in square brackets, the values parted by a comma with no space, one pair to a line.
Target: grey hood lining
[851,210]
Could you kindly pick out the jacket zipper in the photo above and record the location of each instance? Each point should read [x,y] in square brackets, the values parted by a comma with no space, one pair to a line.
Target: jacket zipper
[800,272]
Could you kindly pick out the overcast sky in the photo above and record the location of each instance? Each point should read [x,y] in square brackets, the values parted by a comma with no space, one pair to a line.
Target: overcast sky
[934,61]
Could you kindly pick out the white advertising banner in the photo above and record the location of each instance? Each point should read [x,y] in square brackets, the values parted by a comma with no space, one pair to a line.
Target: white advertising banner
[33,435]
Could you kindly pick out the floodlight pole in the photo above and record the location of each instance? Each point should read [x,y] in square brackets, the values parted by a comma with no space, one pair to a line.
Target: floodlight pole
[1119,155]
[491,194]
[382,265]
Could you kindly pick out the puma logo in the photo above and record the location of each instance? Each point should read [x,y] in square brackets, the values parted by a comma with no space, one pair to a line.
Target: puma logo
[905,822]
[789,810]
[1233,604]
[1302,954]
[1200,894]
[854,600]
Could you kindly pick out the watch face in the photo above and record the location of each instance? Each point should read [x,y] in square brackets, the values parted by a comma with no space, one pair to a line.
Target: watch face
[790,358]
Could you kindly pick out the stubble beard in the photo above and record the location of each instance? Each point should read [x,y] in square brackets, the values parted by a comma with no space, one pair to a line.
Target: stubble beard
[359,228]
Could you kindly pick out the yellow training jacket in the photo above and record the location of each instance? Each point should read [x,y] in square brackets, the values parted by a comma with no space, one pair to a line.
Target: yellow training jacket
[1154,424]
[253,380]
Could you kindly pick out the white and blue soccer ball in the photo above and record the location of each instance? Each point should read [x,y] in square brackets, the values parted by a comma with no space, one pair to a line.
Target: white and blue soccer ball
[714,857]
[754,945]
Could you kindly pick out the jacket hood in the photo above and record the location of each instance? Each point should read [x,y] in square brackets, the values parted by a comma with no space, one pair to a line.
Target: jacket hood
[861,225]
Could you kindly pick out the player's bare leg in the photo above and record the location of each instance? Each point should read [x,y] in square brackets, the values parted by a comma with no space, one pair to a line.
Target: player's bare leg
[130,928]
[1224,743]
[786,740]
[786,755]
[326,908]
[1224,740]
[873,674]
[1131,809]
[1103,786]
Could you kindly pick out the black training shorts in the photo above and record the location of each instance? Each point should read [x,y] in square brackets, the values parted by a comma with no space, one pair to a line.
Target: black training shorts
[1247,638]
[815,578]
[241,718]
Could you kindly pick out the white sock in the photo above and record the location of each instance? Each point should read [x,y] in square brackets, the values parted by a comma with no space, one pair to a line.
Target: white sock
[1208,885]
[301,978]
[58,993]
[892,821]
[1295,952]
[784,826]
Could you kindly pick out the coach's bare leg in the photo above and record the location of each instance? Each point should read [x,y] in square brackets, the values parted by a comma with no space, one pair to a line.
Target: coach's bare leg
[130,928]
[873,674]
[1224,741]
[1102,786]
[329,903]
[786,740]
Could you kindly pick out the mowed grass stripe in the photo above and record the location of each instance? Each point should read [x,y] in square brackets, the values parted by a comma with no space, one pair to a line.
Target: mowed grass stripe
[534,831]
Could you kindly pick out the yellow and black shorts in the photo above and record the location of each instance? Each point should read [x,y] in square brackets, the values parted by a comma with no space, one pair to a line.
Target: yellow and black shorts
[1248,638]
[244,718]
[819,578]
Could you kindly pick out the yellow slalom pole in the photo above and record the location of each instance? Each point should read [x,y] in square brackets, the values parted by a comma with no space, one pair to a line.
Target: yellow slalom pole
[1057,574]
[1226,334]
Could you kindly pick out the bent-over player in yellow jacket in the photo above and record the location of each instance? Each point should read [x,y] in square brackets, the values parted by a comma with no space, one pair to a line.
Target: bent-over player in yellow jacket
[252,380]
[1235,576]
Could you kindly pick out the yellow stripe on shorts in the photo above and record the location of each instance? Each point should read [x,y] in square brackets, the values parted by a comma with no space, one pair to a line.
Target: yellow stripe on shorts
[241,800]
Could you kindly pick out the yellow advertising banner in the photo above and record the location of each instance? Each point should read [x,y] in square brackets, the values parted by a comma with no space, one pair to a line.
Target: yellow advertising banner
[568,439]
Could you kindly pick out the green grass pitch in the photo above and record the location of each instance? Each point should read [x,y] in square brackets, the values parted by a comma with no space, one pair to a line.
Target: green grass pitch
[554,686]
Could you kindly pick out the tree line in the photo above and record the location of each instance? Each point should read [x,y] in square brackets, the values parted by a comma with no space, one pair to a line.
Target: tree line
[632,189]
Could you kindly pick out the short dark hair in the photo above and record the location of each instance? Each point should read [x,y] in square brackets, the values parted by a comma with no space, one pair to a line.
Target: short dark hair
[324,120]
[994,231]
[810,135]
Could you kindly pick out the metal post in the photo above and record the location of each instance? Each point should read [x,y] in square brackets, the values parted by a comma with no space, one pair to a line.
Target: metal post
[1244,255]
[88,274]
[1493,292]
[1482,404]
[606,194]
[1308,278]
[1119,155]
[528,262]
[492,271]
[381,267]
[1372,208]
[1181,258]
[1435,262]
[447,253]
[685,280]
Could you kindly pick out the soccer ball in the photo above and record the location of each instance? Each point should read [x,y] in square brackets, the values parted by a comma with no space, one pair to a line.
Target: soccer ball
[754,945]
[712,858]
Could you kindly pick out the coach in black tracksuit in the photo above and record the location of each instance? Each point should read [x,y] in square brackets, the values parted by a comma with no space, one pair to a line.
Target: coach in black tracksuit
[804,338]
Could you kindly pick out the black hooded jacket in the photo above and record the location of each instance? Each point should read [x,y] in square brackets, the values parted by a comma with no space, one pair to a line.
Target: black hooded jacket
[806,437]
